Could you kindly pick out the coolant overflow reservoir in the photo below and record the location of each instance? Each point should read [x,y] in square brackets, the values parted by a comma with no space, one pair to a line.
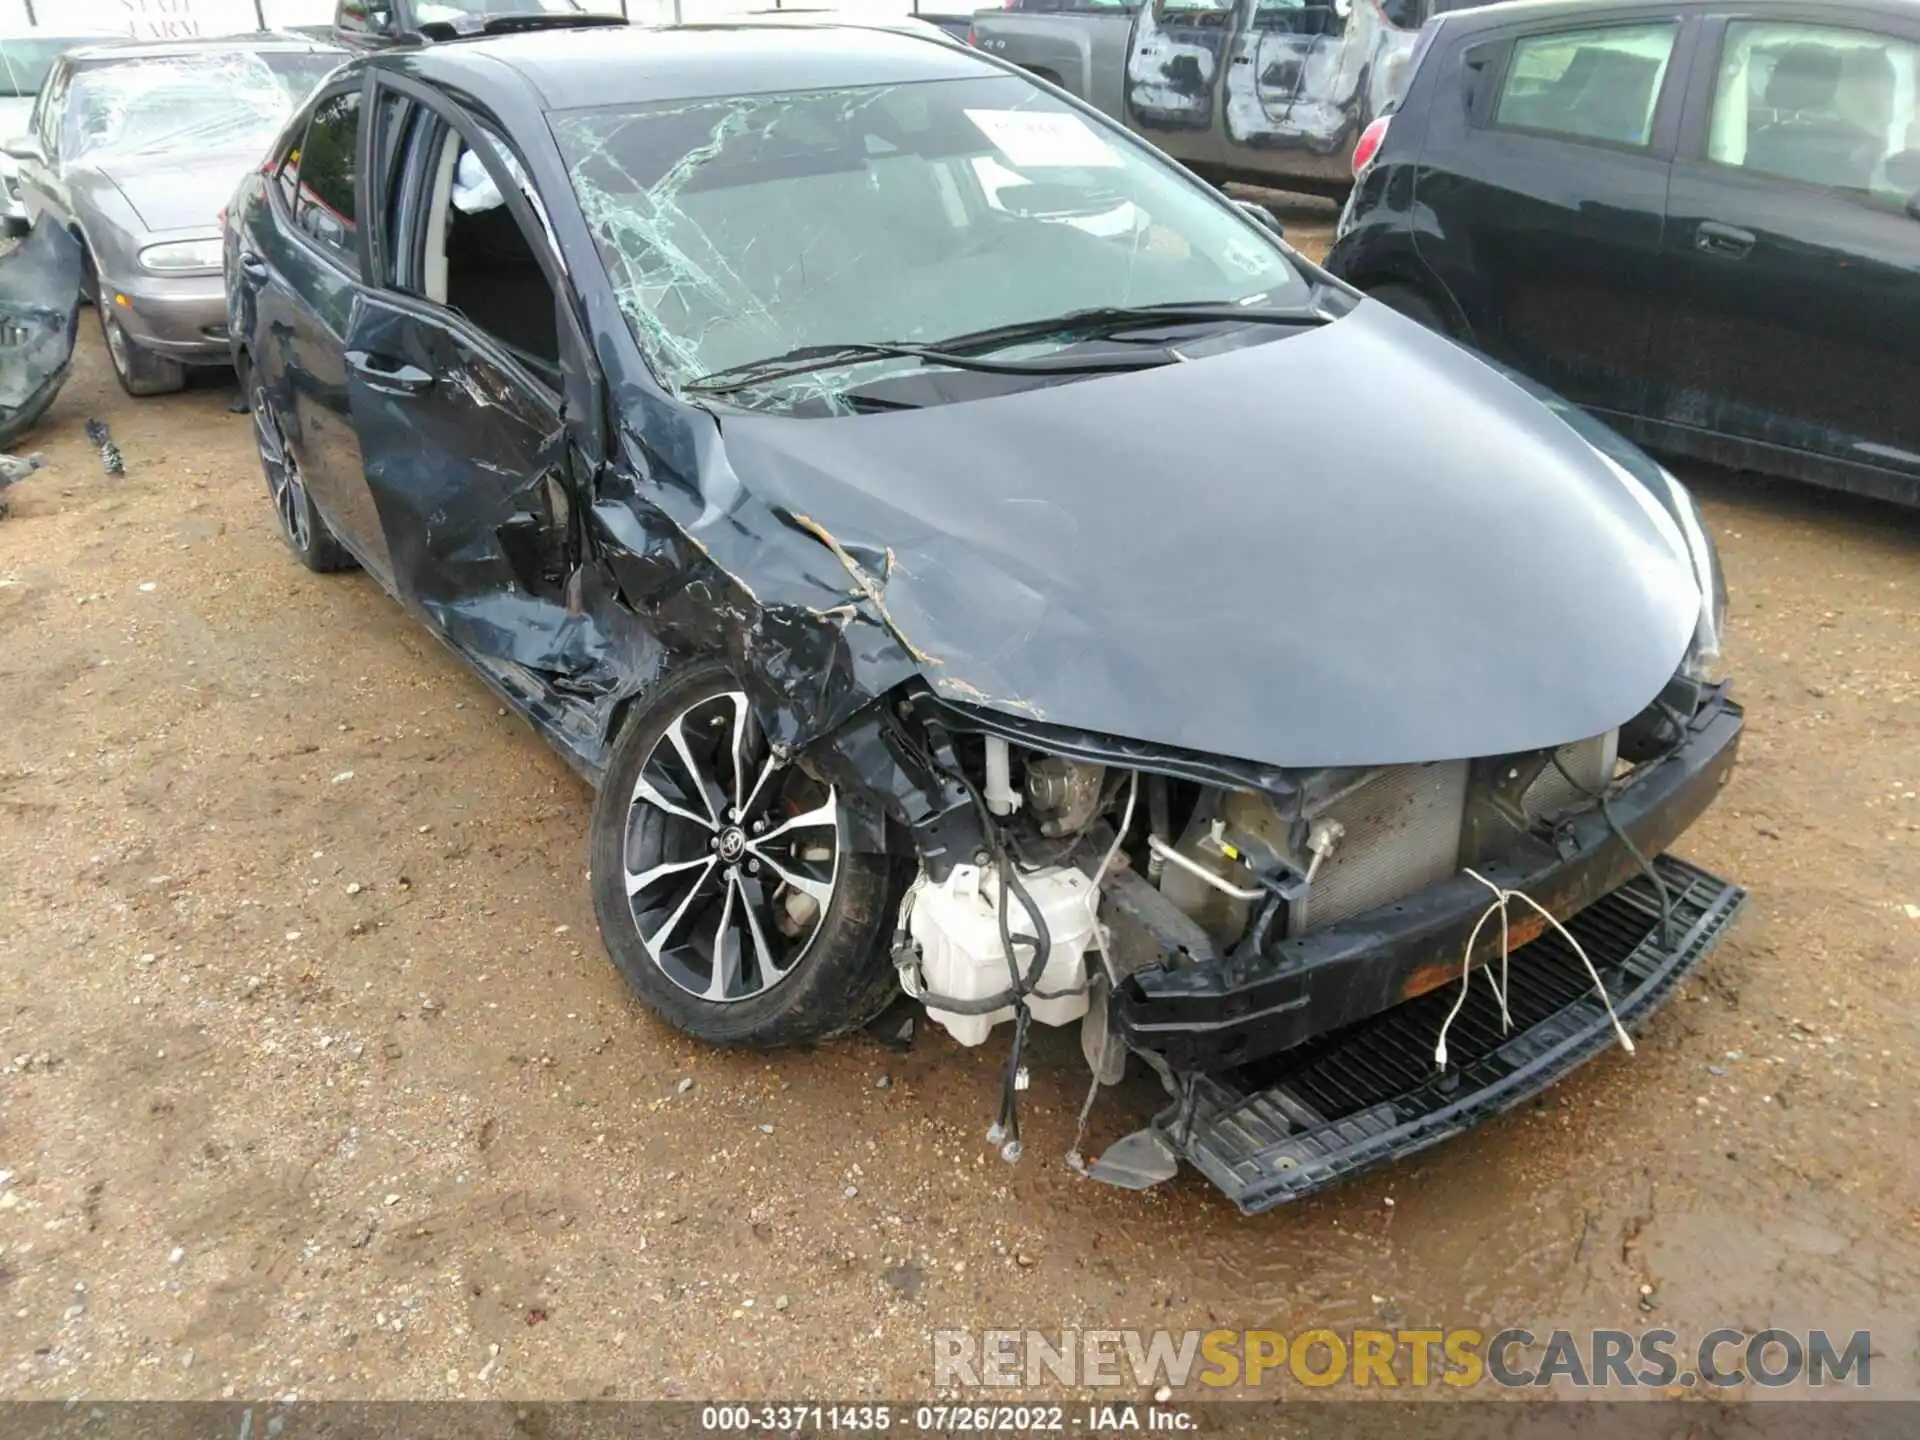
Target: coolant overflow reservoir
[957,926]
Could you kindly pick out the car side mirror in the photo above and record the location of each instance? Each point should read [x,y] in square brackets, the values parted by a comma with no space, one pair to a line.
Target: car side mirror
[24,147]
[1262,217]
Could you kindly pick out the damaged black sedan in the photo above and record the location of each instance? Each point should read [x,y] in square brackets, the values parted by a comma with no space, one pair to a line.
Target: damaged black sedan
[969,558]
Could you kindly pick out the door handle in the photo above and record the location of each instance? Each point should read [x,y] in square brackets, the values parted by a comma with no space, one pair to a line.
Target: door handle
[1243,59]
[1727,240]
[253,268]
[384,372]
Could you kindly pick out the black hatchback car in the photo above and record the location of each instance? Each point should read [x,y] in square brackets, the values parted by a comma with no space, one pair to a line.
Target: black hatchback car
[839,442]
[1699,220]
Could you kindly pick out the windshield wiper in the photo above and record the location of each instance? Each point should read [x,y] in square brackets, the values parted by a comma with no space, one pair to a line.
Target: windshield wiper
[1107,318]
[808,358]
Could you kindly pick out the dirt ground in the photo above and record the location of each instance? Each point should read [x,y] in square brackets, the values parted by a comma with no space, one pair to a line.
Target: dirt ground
[314,1080]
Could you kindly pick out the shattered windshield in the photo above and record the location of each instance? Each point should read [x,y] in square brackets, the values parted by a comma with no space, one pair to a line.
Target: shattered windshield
[208,100]
[738,228]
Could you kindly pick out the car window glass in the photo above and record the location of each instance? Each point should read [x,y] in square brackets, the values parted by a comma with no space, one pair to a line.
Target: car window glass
[478,259]
[1598,84]
[324,207]
[738,228]
[1195,12]
[1822,105]
[365,17]
[211,100]
[1302,17]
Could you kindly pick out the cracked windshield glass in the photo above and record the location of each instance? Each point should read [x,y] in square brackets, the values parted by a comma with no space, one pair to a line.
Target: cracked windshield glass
[213,100]
[737,229]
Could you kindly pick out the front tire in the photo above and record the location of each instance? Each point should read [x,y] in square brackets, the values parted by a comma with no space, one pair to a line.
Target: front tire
[726,889]
[140,372]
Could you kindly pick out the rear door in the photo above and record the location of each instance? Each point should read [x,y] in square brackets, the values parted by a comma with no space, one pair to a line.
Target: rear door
[303,273]
[1175,62]
[1545,179]
[1792,248]
[454,377]
[1305,78]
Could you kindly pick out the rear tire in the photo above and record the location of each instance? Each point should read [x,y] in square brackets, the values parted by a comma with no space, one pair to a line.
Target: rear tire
[140,372]
[728,894]
[1412,304]
[301,527]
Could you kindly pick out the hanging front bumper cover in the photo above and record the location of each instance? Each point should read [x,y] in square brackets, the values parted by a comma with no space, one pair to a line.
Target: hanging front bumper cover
[1311,1116]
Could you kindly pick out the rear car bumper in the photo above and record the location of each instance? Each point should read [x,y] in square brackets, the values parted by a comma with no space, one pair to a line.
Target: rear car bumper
[183,318]
[1230,1011]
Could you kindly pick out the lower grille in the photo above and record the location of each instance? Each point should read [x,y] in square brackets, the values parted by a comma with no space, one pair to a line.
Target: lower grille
[1299,1121]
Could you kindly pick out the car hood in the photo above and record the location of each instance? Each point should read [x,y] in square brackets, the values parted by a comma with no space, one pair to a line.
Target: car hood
[1354,545]
[172,192]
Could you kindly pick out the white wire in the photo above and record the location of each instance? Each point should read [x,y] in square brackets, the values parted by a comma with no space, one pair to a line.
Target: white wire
[1500,902]
[1126,823]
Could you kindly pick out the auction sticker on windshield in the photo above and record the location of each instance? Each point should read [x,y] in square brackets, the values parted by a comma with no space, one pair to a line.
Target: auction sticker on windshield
[1042,138]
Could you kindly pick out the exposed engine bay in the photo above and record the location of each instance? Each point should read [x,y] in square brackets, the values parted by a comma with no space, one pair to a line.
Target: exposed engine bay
[1091,873]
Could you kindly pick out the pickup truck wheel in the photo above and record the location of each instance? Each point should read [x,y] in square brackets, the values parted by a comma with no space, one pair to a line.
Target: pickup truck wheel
[140,372]
[1412,304]
[726,888]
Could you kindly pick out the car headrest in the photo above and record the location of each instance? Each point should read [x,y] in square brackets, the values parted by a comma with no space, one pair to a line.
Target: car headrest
[1805,77]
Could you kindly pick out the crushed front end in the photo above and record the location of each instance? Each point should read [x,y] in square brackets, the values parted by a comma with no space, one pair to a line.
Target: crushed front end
[1324,968]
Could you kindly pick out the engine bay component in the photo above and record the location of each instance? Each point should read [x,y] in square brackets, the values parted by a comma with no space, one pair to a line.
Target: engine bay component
[1063,794]
[958,926]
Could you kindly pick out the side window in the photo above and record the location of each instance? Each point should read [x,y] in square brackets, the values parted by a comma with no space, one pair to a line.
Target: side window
[327,160]
[53,99]
[476,259]
[365,17]
[1195,12]
[1600,84]
[1301,17]
[1820,105]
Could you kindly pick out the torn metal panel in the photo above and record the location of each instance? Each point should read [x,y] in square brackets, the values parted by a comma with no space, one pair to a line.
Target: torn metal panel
[39,318]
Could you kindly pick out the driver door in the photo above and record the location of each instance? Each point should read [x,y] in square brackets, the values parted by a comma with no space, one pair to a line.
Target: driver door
[454,381]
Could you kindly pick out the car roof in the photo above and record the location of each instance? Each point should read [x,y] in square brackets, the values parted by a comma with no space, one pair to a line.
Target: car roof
[578,69]
[268,41]
[1471,18]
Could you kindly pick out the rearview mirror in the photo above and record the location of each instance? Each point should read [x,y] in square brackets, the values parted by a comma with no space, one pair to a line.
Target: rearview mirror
[1262,217]
[23,147]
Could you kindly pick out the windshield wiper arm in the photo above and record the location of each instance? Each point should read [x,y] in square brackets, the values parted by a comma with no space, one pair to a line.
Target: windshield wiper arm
[809,358]
[1120,317]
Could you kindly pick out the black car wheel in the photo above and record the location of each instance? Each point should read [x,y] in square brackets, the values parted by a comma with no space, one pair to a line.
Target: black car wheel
[726,890]
[301,527]
[1412,304]
[140,372]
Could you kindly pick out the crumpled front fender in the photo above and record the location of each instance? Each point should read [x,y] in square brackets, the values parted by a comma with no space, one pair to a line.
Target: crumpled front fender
[39,317]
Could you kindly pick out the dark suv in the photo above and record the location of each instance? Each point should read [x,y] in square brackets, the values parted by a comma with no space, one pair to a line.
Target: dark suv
[1699,221]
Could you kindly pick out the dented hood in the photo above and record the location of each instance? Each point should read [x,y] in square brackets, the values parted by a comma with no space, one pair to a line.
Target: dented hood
[1355,545]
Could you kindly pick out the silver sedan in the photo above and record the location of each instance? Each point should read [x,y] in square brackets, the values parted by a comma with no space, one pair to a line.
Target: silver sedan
[135,149]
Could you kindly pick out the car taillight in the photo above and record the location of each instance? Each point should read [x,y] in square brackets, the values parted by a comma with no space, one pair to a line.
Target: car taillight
[1369,146]
[973,37]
